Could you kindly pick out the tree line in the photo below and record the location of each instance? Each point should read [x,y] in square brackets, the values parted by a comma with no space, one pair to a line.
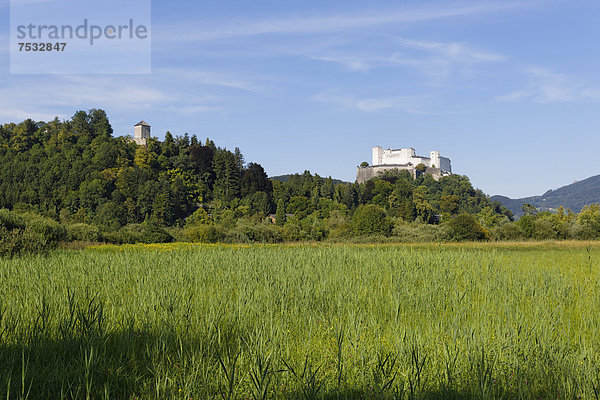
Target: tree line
[106,188]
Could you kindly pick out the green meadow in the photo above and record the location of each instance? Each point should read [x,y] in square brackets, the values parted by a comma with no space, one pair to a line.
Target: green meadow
[183,321]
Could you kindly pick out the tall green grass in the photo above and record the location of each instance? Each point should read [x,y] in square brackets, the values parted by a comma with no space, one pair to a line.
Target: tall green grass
[301,322]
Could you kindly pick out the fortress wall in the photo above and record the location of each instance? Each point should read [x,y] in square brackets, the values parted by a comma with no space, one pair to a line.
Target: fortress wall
[363,174]
[366,173]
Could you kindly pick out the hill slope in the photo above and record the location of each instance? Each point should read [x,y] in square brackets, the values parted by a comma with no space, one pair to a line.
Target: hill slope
[285,178]
[574,196]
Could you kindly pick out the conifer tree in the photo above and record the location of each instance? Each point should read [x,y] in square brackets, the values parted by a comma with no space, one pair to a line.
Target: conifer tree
[227,176]
[280,213]
[328,188]
[239,159]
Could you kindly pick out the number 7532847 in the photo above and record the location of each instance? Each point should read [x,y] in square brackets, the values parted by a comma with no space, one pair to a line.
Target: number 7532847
[42,46]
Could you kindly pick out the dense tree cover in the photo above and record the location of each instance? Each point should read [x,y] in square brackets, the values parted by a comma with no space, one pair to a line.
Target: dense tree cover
[108,188]
[76,171]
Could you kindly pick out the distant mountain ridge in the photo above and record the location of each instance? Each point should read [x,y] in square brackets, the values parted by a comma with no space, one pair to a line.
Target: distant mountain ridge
[574,196]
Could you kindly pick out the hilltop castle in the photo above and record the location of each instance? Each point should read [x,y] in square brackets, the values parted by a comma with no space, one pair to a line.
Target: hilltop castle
[404,159]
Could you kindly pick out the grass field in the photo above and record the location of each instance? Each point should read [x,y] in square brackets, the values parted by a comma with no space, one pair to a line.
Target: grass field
[385,321]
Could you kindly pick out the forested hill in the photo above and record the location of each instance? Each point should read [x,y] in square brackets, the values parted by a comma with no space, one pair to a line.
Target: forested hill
[76,172]
[574,197]
[287,177]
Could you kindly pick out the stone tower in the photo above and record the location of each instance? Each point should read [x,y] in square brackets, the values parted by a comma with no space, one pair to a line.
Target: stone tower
[434,157]
[141,133]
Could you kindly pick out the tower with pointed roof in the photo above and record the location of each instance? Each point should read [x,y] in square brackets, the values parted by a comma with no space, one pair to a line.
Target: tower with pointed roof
[141,133]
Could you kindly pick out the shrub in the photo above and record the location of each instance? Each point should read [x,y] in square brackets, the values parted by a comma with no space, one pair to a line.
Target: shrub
[11,220]
[130,233]
[83,232]
[28,233]
[200,216]
[417,233]
[154,233]
[147,232]
[508,231]
[465,227]
[527,225]
[261,232]
[337,224]
[204,233]
[292,232]
[544,229]
[589,221]
[19,242]
[584,232]
[47,229]
[371,220]
[111,215]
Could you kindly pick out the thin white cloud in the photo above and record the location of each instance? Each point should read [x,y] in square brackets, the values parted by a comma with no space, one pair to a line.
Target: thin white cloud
[431,58]
[18,115]
[332,23]
[459,52]
[351,61]
[119,92]
[409,104]
[40,98]
[212,79]
[547,87]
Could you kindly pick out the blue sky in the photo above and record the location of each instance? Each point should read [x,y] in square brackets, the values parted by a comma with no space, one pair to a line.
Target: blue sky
[509,90]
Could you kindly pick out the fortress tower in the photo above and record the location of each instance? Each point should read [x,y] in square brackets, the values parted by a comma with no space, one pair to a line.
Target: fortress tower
[141,133]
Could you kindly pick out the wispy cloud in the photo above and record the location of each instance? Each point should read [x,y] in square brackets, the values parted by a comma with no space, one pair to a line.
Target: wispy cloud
[27,98]
[211,79]
[456,51]
[352,61]
[332,23]
[432,58]
[546,87]
[119,92]
[21,114]
[409,104]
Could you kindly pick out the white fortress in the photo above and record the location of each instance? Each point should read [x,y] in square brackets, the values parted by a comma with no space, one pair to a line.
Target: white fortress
[404,159]
[408,156]
[141,133]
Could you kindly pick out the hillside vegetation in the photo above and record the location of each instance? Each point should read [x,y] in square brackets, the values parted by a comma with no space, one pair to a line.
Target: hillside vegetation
[71,180]
[105,188]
